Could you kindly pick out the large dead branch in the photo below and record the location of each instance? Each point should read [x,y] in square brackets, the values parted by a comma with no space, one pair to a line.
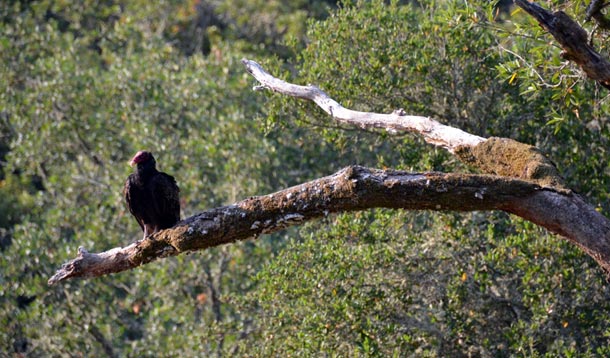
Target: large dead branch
[573,39]
[354,188]
[521,181]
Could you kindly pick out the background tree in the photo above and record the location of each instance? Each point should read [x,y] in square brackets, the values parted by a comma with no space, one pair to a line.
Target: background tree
[96,82]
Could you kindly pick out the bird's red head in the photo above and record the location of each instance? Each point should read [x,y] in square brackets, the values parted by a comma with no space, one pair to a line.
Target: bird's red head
[141,157]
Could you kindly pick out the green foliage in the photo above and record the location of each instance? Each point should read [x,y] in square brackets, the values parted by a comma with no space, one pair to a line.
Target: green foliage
[371,286]
[81,97]
[87,84]
[560,96]
[487,285]
[430,59]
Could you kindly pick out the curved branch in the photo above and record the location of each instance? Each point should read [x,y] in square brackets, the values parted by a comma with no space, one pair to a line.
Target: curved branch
[563,212]
[353,188]
[432,131]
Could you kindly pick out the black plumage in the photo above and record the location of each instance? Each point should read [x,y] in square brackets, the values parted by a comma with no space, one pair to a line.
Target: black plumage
[153,197]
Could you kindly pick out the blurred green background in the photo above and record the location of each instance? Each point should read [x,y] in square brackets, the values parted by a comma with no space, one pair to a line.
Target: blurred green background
[84,85]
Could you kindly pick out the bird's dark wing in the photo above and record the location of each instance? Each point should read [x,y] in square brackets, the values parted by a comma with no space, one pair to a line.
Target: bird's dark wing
[166,201]
[132,197]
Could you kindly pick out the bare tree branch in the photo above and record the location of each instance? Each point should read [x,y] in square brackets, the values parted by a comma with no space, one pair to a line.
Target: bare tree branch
[567,214]
[573,39]
[500,156]
[357,188]
[353,188]
[432,131]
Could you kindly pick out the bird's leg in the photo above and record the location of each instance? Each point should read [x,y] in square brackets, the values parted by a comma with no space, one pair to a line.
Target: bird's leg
[145,232]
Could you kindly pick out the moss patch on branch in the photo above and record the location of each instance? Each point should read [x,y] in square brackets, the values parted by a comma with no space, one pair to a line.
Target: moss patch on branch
[507,157]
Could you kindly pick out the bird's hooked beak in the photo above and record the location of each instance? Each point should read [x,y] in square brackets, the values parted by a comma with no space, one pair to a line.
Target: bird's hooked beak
[136,158]
[141,157]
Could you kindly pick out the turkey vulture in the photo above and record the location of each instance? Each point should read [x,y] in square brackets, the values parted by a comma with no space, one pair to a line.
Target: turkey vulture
[152,196]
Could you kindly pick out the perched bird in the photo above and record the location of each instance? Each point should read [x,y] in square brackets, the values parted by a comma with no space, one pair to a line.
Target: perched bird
[153,197]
